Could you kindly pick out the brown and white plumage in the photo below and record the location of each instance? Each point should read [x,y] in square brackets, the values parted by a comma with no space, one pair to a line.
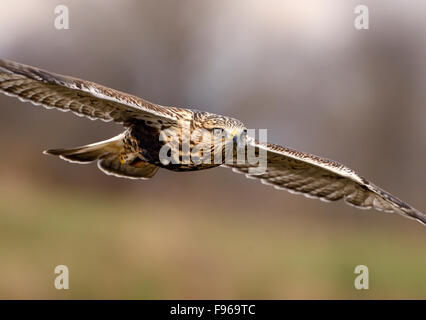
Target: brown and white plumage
[84,98]
[134,153]
[327,180]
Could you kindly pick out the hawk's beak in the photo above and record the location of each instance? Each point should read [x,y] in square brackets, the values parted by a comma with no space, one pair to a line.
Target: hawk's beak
[234,137]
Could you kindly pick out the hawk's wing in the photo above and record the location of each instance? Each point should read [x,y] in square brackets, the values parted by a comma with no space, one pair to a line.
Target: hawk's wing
[82,97]
[321,178]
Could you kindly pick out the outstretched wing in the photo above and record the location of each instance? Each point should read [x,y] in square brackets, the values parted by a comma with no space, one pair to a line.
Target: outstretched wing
[82,97]
[325,179]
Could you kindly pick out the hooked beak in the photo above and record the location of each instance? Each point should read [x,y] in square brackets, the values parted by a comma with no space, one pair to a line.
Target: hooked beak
[234,136]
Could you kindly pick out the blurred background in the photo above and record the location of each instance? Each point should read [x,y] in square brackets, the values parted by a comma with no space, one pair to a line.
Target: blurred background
[299,69]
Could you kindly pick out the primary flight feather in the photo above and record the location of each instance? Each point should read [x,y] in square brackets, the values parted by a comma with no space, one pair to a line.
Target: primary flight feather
[135,153]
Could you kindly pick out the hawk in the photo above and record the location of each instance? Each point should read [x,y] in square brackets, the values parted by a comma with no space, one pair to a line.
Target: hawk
[135,152]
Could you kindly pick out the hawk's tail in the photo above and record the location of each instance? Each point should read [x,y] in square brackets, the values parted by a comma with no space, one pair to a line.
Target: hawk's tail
[90,152]
[108,154]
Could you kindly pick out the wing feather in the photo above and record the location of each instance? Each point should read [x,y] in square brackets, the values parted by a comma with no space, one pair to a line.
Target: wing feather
[82,97]
[317,177]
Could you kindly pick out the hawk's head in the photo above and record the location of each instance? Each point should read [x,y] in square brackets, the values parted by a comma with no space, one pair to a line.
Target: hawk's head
[229,128]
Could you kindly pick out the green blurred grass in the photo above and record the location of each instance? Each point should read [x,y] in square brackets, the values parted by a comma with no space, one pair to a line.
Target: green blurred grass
[132,247]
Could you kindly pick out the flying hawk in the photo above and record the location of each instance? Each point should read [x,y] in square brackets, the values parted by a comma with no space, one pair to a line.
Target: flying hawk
[135,152]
